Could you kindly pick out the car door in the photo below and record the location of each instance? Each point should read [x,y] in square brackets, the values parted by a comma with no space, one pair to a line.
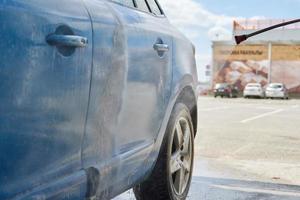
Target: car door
[45,69]
[129,91]
[146,90]
[148,80]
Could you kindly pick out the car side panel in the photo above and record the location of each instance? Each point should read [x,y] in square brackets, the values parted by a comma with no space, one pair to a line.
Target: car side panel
[184,63]
[184,78]
[44,95]
[116,160]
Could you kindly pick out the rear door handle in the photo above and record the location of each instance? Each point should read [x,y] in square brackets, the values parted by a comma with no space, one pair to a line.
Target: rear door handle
[161,47]
[67,41]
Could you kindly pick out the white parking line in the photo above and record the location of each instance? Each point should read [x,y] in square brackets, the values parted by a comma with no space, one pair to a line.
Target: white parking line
[261,116]
[262,191]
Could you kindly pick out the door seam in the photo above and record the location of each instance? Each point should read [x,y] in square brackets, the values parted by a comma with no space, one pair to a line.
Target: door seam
[90,87]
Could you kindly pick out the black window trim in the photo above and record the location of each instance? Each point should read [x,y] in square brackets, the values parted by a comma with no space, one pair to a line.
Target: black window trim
[159,7]
[137,9]
[156,2]
[148,5]
[149,9]
[134,3]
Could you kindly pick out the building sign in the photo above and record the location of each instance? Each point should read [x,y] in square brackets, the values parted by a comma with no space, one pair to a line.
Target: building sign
[286,53]
[241,52]
[256,52]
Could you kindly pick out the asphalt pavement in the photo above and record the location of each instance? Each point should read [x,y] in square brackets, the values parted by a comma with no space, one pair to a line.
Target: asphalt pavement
[246,149]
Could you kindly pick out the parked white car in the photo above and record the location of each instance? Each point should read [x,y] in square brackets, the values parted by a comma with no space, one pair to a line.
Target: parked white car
[254,90]
[277,90]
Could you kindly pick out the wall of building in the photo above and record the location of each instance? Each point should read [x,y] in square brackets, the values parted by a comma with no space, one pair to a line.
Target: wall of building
[253,63]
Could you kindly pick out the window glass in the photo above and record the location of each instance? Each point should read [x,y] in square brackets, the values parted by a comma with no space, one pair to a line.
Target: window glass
[125,2]
[154,7]
[142,5]
[221,85]
[276,86]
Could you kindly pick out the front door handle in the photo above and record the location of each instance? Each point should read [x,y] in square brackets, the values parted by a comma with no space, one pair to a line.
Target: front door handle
[67,41]
[161,47]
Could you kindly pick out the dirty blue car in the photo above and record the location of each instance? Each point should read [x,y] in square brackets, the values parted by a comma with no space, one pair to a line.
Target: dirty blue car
[96,97]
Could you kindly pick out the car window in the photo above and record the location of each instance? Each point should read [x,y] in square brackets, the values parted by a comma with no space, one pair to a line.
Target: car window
[221,86]
[125,2]
[154,7]
[275,86]
[253,86]
[142,5]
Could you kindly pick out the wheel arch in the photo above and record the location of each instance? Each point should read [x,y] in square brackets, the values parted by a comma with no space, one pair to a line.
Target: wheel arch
[188,97]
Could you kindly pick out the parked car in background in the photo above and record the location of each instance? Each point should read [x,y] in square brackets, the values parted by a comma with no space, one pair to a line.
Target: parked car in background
[277,90]
[254,90]
[97,97]
[225,90]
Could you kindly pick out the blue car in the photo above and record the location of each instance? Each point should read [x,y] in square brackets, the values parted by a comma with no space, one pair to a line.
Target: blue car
[97,97]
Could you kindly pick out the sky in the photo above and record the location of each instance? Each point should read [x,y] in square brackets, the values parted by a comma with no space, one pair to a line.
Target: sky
[205,20]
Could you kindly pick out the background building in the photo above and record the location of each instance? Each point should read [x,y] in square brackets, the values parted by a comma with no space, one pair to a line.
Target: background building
[270,57]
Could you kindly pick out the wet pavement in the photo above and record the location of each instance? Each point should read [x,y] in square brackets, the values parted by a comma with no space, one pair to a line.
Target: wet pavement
[246,149]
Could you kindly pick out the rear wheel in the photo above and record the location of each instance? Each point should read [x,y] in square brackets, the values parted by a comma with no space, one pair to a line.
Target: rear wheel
[171,177]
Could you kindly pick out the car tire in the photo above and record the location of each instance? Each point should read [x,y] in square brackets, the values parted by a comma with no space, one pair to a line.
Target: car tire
[172,174]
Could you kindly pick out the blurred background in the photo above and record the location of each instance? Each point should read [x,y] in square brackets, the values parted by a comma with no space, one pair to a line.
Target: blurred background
[211,25]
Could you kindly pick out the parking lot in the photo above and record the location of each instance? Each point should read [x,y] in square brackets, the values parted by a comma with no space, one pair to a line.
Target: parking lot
[246,149]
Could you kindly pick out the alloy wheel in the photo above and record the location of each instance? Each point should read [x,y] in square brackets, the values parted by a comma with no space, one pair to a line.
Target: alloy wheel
[181,156]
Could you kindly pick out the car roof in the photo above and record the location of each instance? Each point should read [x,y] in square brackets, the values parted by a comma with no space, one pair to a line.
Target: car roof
[221,84]
[276,84]
[253,84]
